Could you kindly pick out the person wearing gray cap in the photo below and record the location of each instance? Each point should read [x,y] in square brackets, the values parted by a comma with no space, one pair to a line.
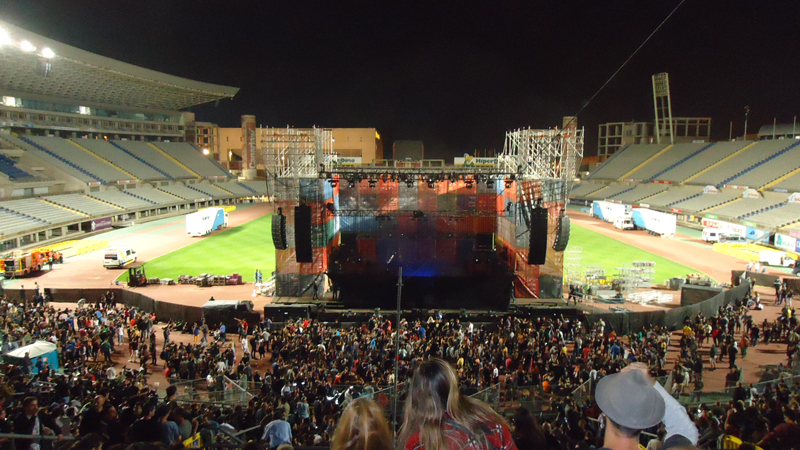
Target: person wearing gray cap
[632,402]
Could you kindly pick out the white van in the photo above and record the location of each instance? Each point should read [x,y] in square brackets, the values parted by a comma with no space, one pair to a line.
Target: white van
[623,223]
[776,258]
[711,234]
[118,257]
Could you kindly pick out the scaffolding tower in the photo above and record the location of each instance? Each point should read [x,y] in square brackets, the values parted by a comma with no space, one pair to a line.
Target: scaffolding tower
[295,152]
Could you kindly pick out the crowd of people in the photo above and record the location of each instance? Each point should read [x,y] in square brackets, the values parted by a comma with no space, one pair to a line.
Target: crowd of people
[294,382]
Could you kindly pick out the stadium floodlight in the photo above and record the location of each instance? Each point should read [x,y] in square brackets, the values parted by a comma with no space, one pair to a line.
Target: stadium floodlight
[47,53]
[205,151]
[26,46]
[5,39]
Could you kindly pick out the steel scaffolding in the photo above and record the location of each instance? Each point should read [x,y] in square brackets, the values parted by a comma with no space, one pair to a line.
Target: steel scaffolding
[296,152]
[543,154]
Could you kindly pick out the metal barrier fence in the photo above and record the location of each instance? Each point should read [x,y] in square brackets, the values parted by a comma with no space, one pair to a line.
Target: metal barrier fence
[690,398]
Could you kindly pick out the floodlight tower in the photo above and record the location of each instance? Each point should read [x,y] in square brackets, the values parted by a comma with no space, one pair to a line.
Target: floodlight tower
[662,104]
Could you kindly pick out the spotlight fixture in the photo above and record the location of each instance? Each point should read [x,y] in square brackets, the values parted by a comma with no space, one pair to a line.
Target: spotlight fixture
[430,185]
[469,184]
[508,184]
[490,183]
[330,207]
[333,182]
[351,183]
[409,184]
[372,183]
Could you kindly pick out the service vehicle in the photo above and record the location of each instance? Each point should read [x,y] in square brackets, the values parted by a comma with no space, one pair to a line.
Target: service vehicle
[609,211]
[623,223]
[118,256]
[776,258]
[205,221]
[655,222]
[20,264]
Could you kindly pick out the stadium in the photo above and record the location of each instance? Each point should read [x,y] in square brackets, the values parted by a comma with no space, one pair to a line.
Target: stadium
[105,177]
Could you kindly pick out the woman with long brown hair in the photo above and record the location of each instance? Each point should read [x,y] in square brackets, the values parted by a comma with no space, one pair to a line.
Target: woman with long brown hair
[362,427]
[439,417]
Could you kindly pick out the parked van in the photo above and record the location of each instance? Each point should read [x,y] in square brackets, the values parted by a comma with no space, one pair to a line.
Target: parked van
[776,258]
[118,257]
[623,223]
[711,234]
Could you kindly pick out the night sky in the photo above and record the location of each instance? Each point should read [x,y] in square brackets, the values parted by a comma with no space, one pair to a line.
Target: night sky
[455,75]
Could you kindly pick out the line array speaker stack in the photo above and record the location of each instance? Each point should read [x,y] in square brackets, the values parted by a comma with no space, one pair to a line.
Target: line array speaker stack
[279,231]
[302,234]
[537,247]
[562,234]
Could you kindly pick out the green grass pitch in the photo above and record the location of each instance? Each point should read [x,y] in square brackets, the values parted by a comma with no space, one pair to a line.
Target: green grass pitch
[610,253]
[248,247]
[241,250]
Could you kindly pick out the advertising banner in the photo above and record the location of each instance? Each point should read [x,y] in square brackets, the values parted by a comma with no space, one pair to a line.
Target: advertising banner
[786,242]
[471,161]
[96,225]
[756,234]
[249,142]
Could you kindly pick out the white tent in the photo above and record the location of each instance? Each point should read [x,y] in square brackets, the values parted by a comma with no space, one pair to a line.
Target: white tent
[39,349]
[36,349]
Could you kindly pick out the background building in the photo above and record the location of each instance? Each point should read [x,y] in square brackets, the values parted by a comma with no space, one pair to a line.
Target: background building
[613,136]
[364,143]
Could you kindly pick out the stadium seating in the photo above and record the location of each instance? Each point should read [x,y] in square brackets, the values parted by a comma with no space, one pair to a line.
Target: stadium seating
[743,207]
[153,195]
[609,191]
[584,188]
[706,201]
[700,161]
[625,161]
[662,162]
[772,169]
[121,199]
[12,222]
[8,167]
[742,162]
[778,217]
[183,192]
[674,194]
[257,186]
[82,159]
[144,152]
[85,204]
[41,210]
[49,157]
[236,189]
[115,155]
[193,159]
[210,190]
[640,192]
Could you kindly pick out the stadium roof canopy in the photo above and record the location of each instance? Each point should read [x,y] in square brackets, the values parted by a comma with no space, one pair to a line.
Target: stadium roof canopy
[85,77]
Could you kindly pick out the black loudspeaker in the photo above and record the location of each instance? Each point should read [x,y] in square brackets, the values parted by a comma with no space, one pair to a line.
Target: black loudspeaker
[562,234]
[302,234]
[537,248]
[279,232]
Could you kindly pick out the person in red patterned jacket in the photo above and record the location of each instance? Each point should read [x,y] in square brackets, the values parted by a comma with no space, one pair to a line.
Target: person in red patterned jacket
[439,417]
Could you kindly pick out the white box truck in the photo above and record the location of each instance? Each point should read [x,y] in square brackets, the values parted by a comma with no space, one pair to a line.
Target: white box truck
[655,222]
[609,211]
[205,221]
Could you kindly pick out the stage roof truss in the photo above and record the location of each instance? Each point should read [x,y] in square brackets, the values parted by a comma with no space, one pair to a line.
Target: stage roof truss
[296,152]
